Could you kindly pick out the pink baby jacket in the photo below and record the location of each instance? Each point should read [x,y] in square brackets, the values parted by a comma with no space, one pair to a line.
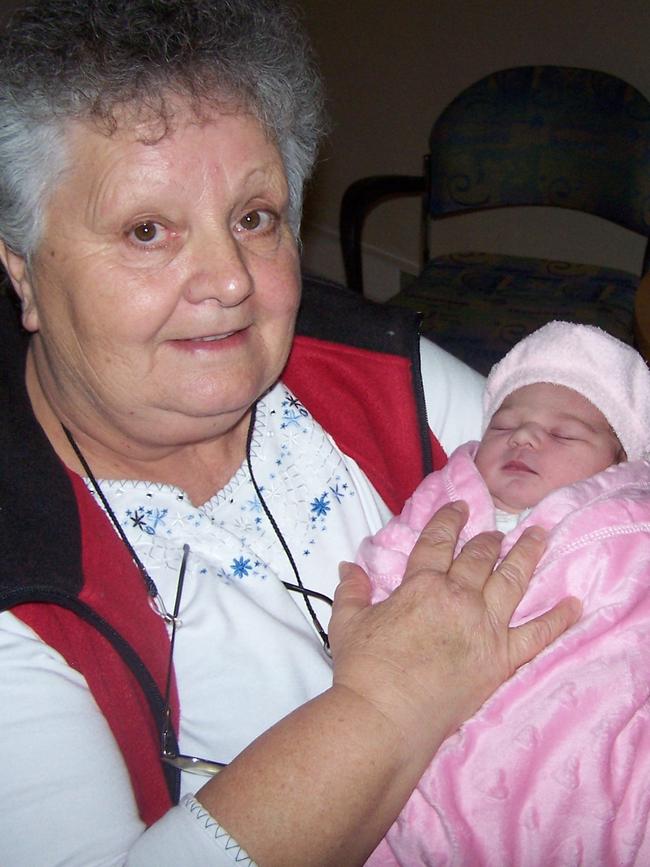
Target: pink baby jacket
[554,769]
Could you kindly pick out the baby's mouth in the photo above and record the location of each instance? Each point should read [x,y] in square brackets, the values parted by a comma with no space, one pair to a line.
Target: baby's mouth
[518,467]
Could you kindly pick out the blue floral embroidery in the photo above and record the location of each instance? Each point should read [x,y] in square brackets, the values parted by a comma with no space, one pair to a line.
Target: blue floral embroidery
[316,511]
[320,506]
[158,516]
[290,418]
[146,520]
[293,402]
[137,518]
[292,411]
[240,567]
[338,493]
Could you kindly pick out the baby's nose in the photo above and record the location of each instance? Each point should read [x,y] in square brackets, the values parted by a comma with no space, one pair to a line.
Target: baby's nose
[526,435]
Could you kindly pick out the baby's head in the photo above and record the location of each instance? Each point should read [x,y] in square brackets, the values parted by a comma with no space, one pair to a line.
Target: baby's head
[565,403]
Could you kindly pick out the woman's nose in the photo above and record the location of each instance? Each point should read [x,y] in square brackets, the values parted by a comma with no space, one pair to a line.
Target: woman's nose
[219,272]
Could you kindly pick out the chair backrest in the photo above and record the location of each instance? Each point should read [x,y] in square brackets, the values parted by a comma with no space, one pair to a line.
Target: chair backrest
[544,135]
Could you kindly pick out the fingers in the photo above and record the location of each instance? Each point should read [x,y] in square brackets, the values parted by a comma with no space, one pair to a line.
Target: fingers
[508,583]
[351,596]
[354,587]
[434,550]
[527,640]
[473,566]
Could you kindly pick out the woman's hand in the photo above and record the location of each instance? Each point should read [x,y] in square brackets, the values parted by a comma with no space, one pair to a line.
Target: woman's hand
[322,786]
[441,644]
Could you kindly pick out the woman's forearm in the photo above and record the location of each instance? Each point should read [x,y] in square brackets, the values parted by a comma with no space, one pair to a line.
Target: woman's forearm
[323,787]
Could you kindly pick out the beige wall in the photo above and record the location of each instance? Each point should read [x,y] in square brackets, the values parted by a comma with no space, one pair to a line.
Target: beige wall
[391,66]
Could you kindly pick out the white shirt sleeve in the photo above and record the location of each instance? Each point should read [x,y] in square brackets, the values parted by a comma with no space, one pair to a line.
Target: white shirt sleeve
[67,797]
[187,835]
[453,394]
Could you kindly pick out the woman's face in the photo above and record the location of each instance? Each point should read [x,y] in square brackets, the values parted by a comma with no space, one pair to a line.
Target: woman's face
[165,287]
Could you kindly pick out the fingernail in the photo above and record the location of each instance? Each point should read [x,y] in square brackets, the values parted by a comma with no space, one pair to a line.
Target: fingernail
[459,506]
[536,533]
[344,568]
[576,605]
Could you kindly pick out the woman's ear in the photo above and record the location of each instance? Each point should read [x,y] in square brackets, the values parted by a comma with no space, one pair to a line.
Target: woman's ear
[16,267]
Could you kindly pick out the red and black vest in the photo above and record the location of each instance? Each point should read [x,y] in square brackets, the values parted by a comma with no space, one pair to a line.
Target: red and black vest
[65,572]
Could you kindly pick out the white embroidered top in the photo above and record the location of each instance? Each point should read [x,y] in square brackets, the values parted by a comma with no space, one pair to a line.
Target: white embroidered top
[259,655]
[246,653]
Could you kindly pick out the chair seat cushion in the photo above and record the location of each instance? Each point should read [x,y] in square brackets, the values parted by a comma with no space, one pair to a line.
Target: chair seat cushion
[478,305]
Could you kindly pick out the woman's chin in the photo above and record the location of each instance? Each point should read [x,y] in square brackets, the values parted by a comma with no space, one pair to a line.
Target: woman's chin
[198,415]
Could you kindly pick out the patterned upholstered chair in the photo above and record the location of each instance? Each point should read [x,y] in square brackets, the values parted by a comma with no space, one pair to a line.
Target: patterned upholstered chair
[532,135]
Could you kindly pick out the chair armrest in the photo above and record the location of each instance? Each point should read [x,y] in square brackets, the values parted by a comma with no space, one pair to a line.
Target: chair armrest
[359,198]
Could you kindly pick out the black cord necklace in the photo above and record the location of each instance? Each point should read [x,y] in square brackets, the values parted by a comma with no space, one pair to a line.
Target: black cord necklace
[298,587]
[155,599]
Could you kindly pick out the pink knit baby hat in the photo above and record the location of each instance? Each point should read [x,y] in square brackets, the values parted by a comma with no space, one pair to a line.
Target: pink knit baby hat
[610,374]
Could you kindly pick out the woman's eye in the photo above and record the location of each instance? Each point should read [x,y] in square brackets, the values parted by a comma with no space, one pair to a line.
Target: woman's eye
[251,220]
[256,221]
[146,232]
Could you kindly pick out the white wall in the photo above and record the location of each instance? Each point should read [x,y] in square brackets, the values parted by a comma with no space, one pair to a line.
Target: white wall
[391,66]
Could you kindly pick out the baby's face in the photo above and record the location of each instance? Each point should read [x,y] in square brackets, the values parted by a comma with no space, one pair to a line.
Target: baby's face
[541,438]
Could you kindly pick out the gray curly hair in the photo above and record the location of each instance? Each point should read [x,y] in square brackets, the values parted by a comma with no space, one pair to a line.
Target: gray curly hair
[87,60]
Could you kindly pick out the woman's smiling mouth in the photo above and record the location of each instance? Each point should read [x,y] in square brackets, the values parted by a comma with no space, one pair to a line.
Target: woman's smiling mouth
[209,341]
[213,337]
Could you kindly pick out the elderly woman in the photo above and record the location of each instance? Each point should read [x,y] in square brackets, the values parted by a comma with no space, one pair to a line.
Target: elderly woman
[181,476]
